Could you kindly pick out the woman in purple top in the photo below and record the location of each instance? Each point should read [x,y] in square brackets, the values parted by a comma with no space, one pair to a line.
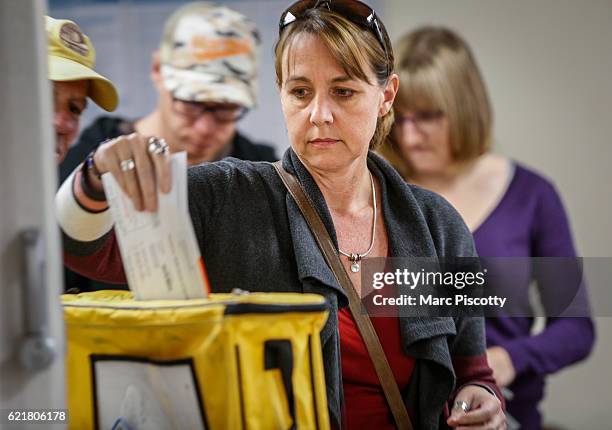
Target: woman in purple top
[441,141]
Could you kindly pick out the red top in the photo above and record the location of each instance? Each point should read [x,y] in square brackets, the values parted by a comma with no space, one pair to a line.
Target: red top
[365,404]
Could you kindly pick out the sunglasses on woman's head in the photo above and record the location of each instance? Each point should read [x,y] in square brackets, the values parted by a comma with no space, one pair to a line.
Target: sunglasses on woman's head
[355,11]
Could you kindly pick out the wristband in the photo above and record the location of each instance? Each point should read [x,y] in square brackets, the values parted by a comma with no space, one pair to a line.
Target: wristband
[91,166]
[89,161]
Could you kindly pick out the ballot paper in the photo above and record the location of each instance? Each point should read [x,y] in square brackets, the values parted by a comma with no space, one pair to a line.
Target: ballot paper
[159,250]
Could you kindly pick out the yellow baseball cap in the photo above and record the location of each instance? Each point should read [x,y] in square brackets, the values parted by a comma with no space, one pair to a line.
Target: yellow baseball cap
[72,58]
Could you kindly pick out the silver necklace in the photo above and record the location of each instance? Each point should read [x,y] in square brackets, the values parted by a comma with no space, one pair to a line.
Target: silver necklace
[354,257]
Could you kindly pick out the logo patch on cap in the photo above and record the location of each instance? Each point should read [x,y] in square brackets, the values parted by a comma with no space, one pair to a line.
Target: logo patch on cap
[72,37]
[203,49]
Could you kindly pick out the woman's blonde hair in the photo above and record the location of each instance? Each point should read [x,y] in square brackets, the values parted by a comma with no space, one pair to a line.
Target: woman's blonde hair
[437,71]
[354,47]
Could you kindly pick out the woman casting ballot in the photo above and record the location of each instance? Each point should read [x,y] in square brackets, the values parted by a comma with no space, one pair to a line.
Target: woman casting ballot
[334,70]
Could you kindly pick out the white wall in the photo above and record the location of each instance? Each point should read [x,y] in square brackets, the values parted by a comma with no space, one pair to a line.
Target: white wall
[548,67]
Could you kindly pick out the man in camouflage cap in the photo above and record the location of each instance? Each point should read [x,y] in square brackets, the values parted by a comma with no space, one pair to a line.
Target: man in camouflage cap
[209,53]
[206,75]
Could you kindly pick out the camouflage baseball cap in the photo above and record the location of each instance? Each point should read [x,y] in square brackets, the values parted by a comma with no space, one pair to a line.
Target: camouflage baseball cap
[210,53]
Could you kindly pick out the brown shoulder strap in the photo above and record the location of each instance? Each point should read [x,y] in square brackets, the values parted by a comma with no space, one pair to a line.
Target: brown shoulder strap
[377,355]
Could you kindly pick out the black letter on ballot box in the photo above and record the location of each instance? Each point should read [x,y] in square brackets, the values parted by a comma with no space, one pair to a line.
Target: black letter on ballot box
[279,355]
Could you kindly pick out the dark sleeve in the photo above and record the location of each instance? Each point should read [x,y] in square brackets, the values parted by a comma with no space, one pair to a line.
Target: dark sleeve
[468,346]
[469,357]
[208,186]
[565,340]
[451,237]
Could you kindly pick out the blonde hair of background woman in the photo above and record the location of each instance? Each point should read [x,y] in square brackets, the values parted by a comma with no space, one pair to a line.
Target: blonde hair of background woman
[437,71]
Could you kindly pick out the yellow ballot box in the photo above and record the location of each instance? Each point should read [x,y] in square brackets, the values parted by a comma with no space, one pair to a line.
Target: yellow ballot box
[230,361]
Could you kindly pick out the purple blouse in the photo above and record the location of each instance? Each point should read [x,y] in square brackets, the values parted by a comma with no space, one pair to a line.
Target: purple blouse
[530,221]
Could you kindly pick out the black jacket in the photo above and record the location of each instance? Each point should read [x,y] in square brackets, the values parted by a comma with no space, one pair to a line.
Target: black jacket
[108,127]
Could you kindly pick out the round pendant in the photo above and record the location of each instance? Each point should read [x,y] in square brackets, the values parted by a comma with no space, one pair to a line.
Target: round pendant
[355,267]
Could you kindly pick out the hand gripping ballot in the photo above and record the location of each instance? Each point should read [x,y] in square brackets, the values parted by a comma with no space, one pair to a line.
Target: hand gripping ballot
[159,250]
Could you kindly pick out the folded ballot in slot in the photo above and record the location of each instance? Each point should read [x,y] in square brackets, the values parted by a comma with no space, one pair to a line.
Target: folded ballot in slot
[228,361]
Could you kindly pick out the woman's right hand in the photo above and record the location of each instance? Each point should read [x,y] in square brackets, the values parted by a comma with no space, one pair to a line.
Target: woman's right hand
[139,164]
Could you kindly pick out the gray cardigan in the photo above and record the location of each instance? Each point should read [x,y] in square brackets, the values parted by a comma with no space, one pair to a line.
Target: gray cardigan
[253,236]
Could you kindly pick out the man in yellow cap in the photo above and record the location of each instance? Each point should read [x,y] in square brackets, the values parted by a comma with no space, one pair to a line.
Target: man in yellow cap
[71,61]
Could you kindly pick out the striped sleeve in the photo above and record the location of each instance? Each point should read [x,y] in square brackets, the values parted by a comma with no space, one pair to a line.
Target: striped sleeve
[81,216]
[90,247]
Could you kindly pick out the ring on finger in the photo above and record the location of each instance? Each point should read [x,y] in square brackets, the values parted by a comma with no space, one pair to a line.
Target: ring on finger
[157,146]
[127,165]
[461,404]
